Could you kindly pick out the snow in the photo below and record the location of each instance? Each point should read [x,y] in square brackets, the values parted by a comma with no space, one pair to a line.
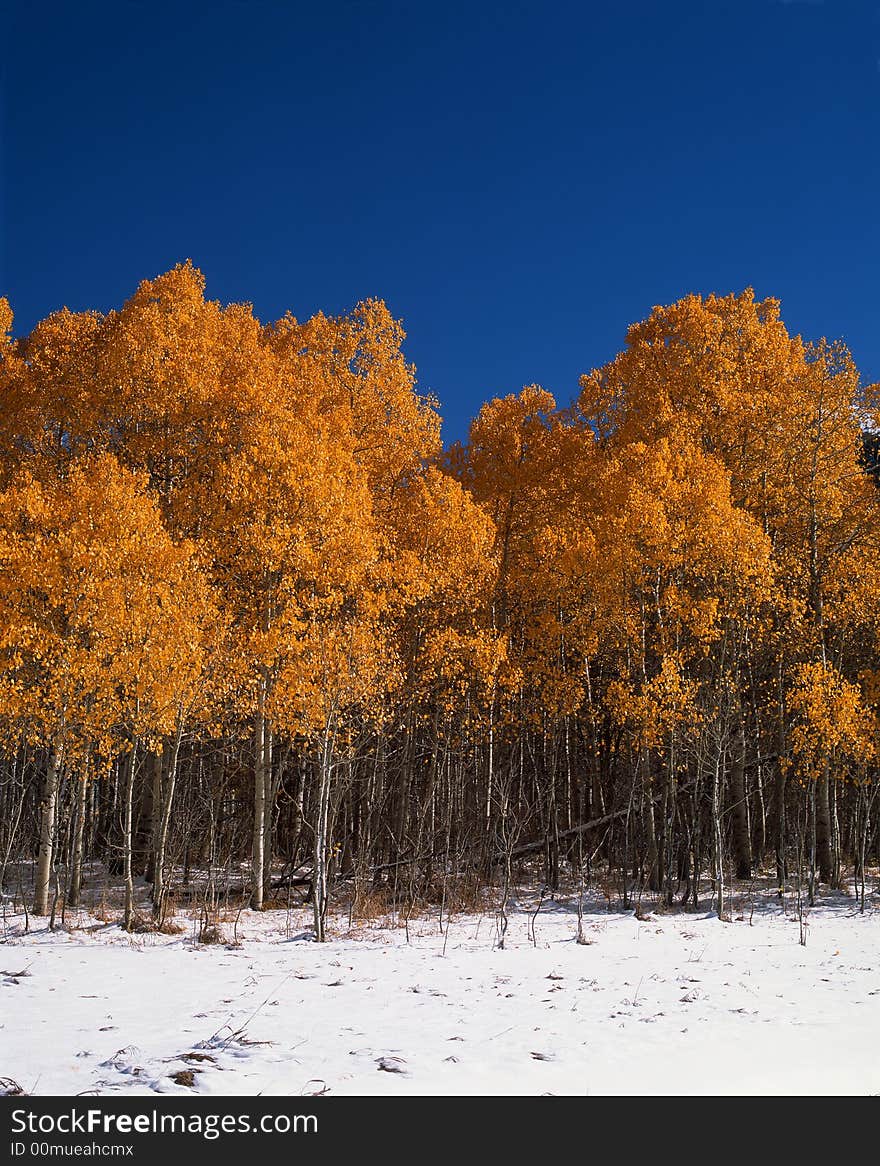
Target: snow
[675,1003]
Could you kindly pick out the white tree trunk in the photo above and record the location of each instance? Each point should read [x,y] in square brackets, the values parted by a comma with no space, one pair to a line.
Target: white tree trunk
[48,806]
[322,839]
[128,815]
[166,799]
[77,855]
[258,849]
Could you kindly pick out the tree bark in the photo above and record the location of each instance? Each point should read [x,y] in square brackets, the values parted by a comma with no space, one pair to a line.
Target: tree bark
[823,829]
[145,834]
[258,849]
[742,848]
[76,858]
[128,815]
[717,839]
[322,840]
[48,806]
[650,825]
[167,759]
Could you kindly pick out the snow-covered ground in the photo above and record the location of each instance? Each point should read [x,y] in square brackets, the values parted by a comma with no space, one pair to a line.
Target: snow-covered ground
[672,1004]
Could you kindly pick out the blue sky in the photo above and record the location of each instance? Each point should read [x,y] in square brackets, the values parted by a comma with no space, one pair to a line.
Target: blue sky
[518,181]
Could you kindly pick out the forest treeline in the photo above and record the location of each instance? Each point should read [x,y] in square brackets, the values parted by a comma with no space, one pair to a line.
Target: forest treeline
[257,624]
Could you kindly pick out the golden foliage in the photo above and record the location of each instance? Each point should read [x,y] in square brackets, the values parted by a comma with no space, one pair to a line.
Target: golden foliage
[205,516]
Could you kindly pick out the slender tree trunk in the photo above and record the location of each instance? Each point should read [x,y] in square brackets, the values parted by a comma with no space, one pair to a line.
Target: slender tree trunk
[258,851]
[145,833]
[128,816]
[718,839]
[836,844]
[271,777]
[298,807]
[322,840]
[741,843]
[48,806]
[670,810]
[814,843]
[157,817]
[76,858]
[823,829]
[650,825]
[167,760]
[779,794]
[761,841]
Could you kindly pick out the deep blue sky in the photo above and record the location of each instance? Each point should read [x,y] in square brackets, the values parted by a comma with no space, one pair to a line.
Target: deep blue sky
[519,181]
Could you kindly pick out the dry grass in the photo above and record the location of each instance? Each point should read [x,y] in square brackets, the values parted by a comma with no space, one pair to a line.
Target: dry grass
[460,895]
[464,895]
[144,925]
[371,903]
[211,933]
